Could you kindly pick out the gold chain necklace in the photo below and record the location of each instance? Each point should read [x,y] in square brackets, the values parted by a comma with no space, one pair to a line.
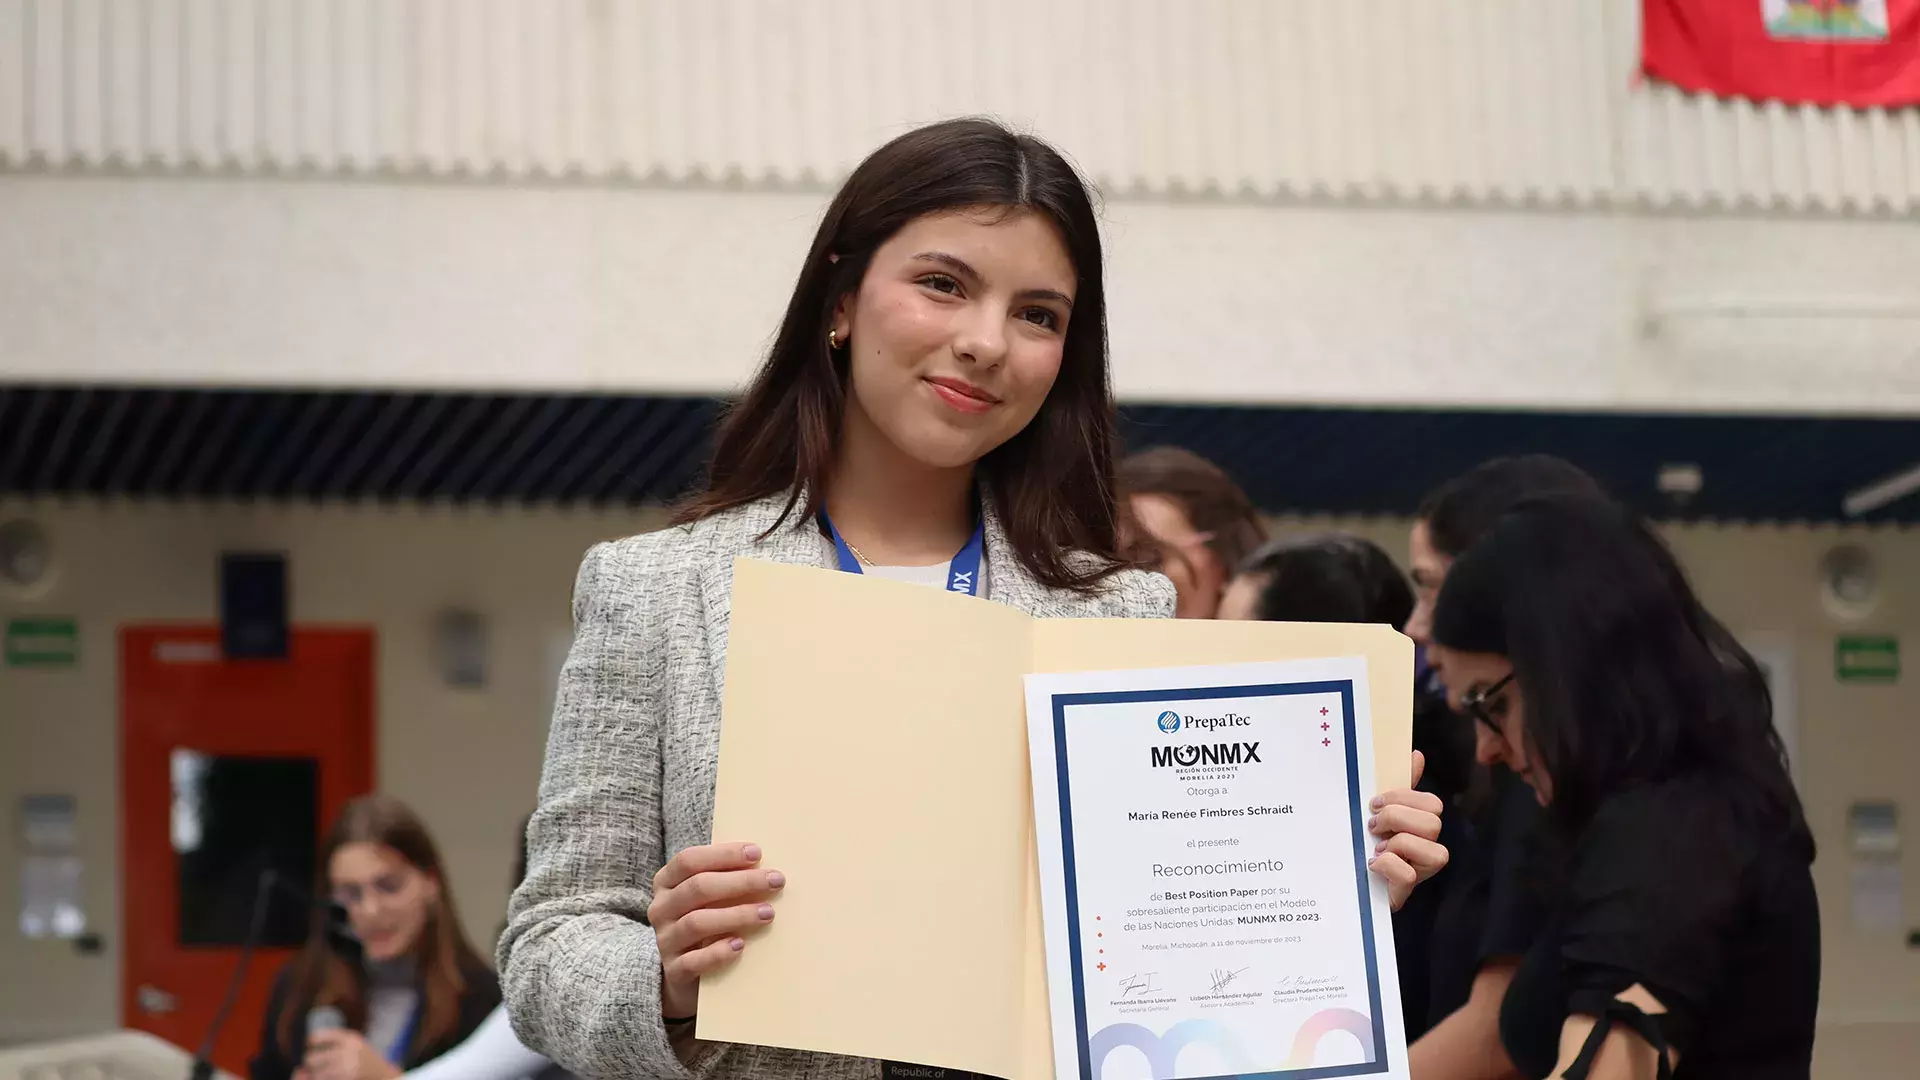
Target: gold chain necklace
[856,551]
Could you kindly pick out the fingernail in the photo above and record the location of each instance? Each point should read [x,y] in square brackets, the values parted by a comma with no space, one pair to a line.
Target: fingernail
[751,852]
[765,912]
[1379,847]
[775,879]
[1370,863]
[1373,823]
[736,944]
[1379,801]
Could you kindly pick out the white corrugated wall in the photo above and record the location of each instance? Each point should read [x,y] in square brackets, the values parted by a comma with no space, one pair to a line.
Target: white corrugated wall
[1494,101]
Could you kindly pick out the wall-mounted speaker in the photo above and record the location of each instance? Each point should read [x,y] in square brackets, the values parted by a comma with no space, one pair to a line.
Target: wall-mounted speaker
[253,606]
[1849,582]
[26,557]
[460,637]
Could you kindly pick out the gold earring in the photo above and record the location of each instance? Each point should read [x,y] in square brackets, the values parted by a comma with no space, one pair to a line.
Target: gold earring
[833,339]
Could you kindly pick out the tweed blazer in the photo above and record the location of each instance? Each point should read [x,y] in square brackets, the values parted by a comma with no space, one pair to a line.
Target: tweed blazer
[629,779]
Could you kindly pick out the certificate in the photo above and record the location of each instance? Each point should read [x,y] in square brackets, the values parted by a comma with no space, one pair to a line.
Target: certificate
[1202,856]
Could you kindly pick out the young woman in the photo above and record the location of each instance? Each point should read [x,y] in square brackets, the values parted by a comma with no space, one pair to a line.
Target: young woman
[416,990]
[1188,519]
[935,409]
[1684,939]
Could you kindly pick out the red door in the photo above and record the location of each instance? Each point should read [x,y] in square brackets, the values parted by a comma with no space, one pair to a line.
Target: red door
[228,769]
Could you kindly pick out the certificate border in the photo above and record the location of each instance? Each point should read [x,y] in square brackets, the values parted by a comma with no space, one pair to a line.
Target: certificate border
[1343,687]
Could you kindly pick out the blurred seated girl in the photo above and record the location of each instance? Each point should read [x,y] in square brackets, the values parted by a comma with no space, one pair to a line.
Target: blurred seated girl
[416,987]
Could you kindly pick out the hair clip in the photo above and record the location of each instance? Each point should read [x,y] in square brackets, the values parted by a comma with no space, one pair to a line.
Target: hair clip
[832,257]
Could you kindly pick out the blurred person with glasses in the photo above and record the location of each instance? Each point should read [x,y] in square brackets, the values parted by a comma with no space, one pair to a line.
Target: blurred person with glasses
[416,989]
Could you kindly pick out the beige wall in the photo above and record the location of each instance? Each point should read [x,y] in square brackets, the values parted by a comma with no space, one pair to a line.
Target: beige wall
[383,285]
[394,568]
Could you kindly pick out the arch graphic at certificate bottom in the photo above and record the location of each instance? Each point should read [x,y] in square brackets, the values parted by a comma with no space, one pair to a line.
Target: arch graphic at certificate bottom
[1204,886]
[1162,1052]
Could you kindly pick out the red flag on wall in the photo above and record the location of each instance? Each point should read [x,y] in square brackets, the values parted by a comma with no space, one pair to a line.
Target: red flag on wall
[1859,53]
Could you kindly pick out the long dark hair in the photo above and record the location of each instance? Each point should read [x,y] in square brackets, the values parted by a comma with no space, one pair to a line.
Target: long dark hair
[1053,482]
[1628,681]
[443,955]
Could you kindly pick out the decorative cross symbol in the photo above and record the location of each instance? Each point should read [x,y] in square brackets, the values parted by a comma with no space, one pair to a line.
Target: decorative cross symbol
[1323,710]
[1326,742]
[1324,725]
[1102,966]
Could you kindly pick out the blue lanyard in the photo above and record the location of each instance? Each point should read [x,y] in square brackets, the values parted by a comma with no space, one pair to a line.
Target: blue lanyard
[397,1053]
[963,574]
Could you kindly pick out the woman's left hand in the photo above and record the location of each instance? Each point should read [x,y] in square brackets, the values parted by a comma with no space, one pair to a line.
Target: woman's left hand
[345,1055]
[1407,825]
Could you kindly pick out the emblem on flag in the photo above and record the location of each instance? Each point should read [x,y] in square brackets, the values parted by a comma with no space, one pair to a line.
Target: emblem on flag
[1826,20]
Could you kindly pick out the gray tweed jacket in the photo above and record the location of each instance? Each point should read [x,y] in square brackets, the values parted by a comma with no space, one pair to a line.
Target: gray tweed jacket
[629,781]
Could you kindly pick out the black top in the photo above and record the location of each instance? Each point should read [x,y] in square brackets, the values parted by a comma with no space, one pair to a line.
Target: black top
[273,1061]
[1492,902]
[1682,889]
[1414,949]
[1421,948]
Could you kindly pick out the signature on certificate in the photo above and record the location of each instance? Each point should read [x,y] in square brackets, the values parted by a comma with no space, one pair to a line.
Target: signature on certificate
[1138,984]
[1310,987]
[1222,978]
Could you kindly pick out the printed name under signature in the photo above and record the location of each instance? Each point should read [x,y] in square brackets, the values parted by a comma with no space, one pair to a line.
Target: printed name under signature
[1222,978]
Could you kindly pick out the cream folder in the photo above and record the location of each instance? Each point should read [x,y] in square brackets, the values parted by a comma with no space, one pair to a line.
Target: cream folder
[874,743]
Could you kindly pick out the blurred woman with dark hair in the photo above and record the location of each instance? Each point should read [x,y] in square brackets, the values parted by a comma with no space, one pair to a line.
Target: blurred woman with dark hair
[419,988]
[1336,577]
[1684,938]
[1325,577]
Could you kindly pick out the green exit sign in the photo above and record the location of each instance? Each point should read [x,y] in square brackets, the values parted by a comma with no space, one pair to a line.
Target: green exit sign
[42,642]
[1867,658]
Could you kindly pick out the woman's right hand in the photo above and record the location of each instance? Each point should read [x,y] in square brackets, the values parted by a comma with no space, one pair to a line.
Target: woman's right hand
[704,900]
